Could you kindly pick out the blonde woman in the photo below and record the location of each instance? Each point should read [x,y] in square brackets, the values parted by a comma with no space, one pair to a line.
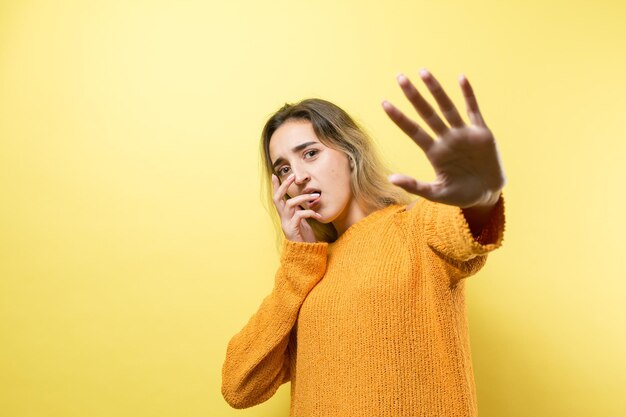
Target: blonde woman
[367,315]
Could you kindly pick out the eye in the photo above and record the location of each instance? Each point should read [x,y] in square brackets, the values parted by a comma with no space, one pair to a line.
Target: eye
[282,171]
[311,152]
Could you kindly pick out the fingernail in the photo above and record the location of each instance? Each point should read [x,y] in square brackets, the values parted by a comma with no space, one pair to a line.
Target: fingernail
[401,78]
[424,72]
[386,104]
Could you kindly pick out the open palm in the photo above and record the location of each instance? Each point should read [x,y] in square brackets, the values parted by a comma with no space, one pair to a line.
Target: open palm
[465,157]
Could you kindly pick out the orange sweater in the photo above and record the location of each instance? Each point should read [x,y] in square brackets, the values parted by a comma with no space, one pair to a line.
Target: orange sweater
[373,324]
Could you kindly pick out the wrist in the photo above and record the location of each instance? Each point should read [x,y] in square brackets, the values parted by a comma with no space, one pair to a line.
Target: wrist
[487,202]
[478,215]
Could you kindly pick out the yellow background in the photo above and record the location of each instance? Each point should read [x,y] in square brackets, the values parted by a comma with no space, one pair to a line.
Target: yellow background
[133,241]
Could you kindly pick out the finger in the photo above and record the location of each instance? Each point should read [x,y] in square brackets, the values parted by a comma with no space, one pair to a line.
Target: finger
[413,186]
[297,200]
[408,126]
[275,186]
[280,192]
[424,109]
[472,104]
[299,215]
[445,104]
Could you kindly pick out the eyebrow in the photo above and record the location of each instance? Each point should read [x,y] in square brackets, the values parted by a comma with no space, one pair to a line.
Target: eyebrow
[294,150]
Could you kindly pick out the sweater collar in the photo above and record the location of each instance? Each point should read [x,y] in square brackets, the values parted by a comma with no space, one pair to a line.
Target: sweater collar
[347,235]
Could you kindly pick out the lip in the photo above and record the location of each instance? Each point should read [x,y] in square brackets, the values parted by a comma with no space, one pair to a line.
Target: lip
[309,190]
[313,204]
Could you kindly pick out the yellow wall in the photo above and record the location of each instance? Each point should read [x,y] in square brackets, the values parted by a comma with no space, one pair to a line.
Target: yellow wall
[133,242]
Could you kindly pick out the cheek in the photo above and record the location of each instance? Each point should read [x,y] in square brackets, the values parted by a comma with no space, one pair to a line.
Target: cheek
[292,191]
[341,183]
[341,176]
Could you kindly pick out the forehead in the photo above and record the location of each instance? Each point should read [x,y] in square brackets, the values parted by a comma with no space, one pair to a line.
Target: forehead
[289,135]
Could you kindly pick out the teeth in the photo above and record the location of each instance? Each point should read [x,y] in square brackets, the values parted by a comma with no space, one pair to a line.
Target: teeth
[315,195]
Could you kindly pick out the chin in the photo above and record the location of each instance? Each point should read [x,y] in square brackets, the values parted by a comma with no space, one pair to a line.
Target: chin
[323,220]
[327,219]
[330,215]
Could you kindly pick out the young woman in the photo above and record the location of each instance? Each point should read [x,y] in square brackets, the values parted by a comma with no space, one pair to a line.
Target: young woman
[367,316]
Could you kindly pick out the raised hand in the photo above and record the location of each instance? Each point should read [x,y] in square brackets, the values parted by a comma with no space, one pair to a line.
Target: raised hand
[465,157]
[292,216]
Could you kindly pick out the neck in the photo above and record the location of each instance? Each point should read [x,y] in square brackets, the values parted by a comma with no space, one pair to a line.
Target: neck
[350,217]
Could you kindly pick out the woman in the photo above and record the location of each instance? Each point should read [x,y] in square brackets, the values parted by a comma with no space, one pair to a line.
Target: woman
[367,316]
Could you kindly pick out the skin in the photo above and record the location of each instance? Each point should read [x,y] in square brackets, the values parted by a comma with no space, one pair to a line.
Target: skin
[318,167]
[464,157]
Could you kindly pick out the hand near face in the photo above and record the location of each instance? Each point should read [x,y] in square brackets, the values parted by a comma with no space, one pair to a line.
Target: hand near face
[292,216]
[465,157]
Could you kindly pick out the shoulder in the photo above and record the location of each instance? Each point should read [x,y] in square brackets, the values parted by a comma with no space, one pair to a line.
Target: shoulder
[411,204]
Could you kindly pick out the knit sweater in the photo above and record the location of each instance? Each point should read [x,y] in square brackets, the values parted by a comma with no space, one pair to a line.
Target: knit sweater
[373,324]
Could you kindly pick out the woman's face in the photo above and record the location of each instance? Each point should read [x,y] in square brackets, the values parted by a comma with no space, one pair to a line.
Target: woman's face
[295,149]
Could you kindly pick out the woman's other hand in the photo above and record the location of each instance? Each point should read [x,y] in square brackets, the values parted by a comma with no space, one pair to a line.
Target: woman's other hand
[292,216]
[465,157]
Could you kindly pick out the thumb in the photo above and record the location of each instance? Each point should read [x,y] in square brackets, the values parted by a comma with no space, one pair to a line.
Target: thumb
[412,185]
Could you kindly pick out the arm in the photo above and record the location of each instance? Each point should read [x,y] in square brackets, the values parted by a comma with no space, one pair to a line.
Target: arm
[257,359]
[478,216]
[449,233]
[450,242]
[465,157]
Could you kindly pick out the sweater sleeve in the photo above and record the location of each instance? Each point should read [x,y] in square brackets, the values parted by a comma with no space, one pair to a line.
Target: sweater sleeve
[448,233]
[258,357]
[448,240]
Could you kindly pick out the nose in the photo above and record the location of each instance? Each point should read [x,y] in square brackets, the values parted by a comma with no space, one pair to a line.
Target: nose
[301,176]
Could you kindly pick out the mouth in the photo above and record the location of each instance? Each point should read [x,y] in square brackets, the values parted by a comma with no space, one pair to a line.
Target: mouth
[316,195]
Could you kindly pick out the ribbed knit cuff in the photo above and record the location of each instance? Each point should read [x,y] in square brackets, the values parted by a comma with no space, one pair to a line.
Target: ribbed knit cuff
[292,251]
[302,265]
[448,231]
[493,231]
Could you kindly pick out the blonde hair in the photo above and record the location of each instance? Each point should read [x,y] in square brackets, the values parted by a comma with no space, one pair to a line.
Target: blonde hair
[337,130]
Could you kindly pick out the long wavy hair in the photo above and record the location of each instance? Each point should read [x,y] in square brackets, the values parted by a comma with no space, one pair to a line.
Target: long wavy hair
[335,129]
